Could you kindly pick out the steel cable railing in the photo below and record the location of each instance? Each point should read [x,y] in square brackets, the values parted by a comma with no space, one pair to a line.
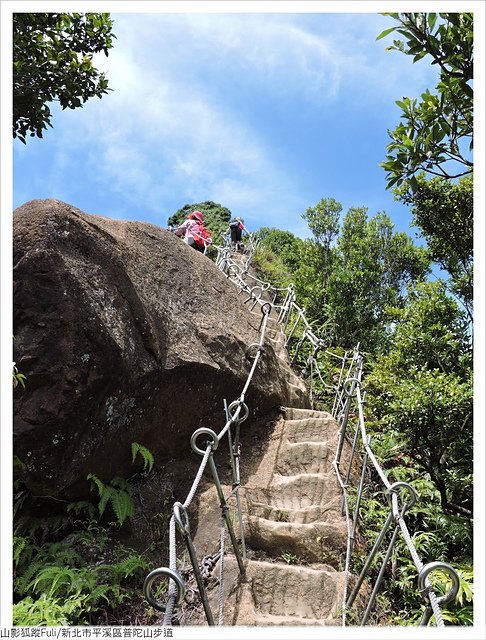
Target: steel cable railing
[348,397]
[351,392]
[346,388]
[236,413]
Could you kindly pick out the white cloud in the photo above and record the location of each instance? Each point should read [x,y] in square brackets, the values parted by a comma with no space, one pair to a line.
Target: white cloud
[156,135]
[272,50]
[170,126]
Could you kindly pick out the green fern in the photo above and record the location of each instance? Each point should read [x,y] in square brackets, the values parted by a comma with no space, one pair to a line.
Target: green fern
[80,508]
[93,536]
[148,459]
[21,547]
[118,493]
[42,612]
[97,482]
[122,504]
[24,579]
[54,580]
[44,527]
[67,595]
[53,584]
[132,565]
[58,554]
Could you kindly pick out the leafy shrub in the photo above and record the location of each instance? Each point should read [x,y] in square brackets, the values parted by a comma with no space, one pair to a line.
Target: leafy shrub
[59,588]
[70,581]
[270,267]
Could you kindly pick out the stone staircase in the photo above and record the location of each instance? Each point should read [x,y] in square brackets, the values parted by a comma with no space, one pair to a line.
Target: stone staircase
[294,531]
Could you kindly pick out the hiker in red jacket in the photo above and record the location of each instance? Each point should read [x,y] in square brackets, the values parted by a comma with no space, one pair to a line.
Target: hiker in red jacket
[195,233]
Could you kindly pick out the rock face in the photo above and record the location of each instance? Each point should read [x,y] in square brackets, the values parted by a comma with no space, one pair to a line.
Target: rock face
[125,334]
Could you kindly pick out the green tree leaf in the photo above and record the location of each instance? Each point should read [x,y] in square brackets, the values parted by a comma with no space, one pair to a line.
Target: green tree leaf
[448,42]
[47,65]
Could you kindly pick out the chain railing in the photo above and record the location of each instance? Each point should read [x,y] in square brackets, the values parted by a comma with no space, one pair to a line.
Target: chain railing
[345,388]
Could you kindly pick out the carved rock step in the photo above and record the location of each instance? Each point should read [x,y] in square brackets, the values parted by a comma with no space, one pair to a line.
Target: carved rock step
[305,457]
[292,413]
[261,505]
[312,430]
[304,490]
[281,594]
[312,542]
[294,525]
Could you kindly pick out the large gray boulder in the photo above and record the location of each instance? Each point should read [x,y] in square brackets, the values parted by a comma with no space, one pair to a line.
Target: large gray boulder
[125,334]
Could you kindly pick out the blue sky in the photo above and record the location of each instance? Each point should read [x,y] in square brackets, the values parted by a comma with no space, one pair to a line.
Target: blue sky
[265,113]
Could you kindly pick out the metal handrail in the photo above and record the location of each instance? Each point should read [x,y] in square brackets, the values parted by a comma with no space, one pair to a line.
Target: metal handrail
[236,412]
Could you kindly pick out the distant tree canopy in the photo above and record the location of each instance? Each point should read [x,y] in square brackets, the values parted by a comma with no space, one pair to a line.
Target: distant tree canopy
[443,211]
[436,132]
[345,278]
[421,390]
[362,282]
[372,266]
[216,217]
[52,61]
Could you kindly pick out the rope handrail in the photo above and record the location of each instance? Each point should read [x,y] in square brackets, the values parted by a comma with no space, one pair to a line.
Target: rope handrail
[350,384]
[347,389]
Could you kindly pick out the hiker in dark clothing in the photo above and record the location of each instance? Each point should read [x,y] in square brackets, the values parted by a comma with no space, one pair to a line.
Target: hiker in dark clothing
[236,227]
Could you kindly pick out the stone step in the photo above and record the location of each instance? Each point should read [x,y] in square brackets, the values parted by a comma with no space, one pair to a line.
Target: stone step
[330,512]
[311,429]
[295,532]
[308,543]
[305,457]
[281,594]
[293,413]
[303,490]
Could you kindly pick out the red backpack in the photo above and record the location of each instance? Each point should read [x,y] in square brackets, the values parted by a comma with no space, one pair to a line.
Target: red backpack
[201,234]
